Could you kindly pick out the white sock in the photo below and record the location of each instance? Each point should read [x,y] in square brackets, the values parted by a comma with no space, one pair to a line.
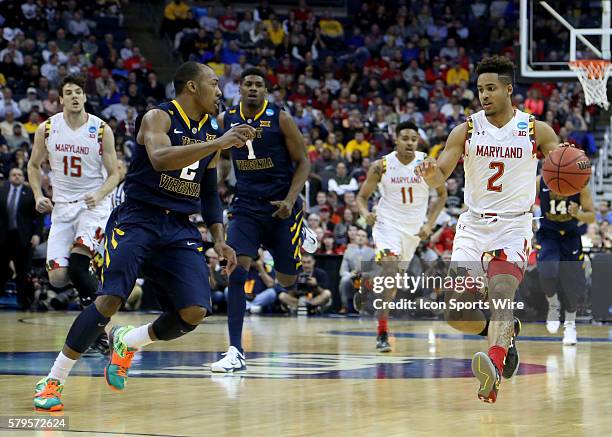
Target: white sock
[570,318]
[553,301]
[138,337]
[61,368]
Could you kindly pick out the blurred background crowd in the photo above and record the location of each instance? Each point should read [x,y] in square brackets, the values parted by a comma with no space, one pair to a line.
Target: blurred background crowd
[347,79]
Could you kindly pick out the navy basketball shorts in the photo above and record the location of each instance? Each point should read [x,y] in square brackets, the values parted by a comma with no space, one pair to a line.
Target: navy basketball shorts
[164,246]
[251,224]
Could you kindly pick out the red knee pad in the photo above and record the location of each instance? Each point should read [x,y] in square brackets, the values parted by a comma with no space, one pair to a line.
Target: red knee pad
[502,267]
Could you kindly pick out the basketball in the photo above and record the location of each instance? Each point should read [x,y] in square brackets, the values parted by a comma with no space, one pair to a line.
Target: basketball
[566,170]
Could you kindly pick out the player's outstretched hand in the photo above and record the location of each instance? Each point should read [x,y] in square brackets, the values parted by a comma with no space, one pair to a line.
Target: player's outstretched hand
[370,219]
[44,205]
[427,168]
[227,253]
[573,209]
[238,136]
[284,208]
[566,144]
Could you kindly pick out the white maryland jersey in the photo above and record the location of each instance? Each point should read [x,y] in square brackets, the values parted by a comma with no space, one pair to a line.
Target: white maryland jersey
[500,165]
[404,195]
[75,157]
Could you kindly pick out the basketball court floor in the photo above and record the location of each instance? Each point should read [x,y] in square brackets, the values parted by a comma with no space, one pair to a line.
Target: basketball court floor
[315,376]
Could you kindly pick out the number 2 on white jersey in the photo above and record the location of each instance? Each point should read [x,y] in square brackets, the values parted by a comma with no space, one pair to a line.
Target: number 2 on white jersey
[499,168]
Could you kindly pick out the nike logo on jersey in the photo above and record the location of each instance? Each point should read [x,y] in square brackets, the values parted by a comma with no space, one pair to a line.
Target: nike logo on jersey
[575,252]
[178,131]
[191,243]
[545,189]
[234,124]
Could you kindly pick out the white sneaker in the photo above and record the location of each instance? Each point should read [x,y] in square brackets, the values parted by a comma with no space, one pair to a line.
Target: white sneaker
[552,319]
[232,361]
[569,334]
[256,309]
[309,239]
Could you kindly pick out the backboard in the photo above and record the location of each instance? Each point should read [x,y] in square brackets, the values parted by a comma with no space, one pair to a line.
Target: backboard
[555,32]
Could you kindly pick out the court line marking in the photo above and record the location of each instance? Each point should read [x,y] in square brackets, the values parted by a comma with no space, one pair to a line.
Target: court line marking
[420,335]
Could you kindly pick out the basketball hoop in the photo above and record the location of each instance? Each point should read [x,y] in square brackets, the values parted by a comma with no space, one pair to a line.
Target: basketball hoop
[593,75]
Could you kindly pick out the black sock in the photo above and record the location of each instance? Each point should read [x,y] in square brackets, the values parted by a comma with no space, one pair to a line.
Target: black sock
[82,278]
[236,306]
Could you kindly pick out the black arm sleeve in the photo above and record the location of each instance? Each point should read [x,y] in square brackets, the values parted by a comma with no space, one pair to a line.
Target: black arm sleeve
[212,211]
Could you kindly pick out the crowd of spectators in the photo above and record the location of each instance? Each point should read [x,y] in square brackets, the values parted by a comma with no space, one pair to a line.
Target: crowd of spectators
[347,81]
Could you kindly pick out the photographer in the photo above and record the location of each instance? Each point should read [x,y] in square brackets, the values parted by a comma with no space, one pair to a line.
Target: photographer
[217,277]
[259,286]
[312,288]
[351,267]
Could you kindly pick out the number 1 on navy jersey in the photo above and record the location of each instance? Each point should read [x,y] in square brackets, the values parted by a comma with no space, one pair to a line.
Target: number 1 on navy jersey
[249,145]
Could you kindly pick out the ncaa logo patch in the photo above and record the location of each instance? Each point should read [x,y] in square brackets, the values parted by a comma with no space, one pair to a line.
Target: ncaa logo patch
[214,124]
[92,129]
[522,125]
[269,111]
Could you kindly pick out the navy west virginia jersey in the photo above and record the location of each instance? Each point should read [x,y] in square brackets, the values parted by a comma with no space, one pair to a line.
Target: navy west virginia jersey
[176,190]
[555,211]
[263,167]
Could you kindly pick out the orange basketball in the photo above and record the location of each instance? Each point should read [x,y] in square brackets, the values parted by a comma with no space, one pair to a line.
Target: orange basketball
[566,170]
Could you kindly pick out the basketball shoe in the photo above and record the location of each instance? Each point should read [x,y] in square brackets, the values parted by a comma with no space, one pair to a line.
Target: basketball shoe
[233,361]
[512,357]
[382,342]
[47,394]
[552,318]
[569,334]
[309,239]
[487,374]
[116,371]
[99,347]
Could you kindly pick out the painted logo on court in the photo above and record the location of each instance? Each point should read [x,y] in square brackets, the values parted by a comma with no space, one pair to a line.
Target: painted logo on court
[277,365]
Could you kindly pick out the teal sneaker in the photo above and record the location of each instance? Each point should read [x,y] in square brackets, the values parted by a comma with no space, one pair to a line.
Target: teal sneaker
[47,394]
[116,371]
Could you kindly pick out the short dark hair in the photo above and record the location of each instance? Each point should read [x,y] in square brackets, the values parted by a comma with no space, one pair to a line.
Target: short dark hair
[501,65]
[252,71]
[73,79]
[308,255]
[406,125]
[187,71]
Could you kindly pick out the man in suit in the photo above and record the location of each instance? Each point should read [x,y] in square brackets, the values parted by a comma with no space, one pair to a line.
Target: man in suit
[20,230]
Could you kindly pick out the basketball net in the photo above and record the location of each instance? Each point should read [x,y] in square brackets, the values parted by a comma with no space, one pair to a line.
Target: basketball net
[593,75]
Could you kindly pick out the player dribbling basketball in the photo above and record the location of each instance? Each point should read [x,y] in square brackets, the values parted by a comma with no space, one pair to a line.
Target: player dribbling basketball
[499,146]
